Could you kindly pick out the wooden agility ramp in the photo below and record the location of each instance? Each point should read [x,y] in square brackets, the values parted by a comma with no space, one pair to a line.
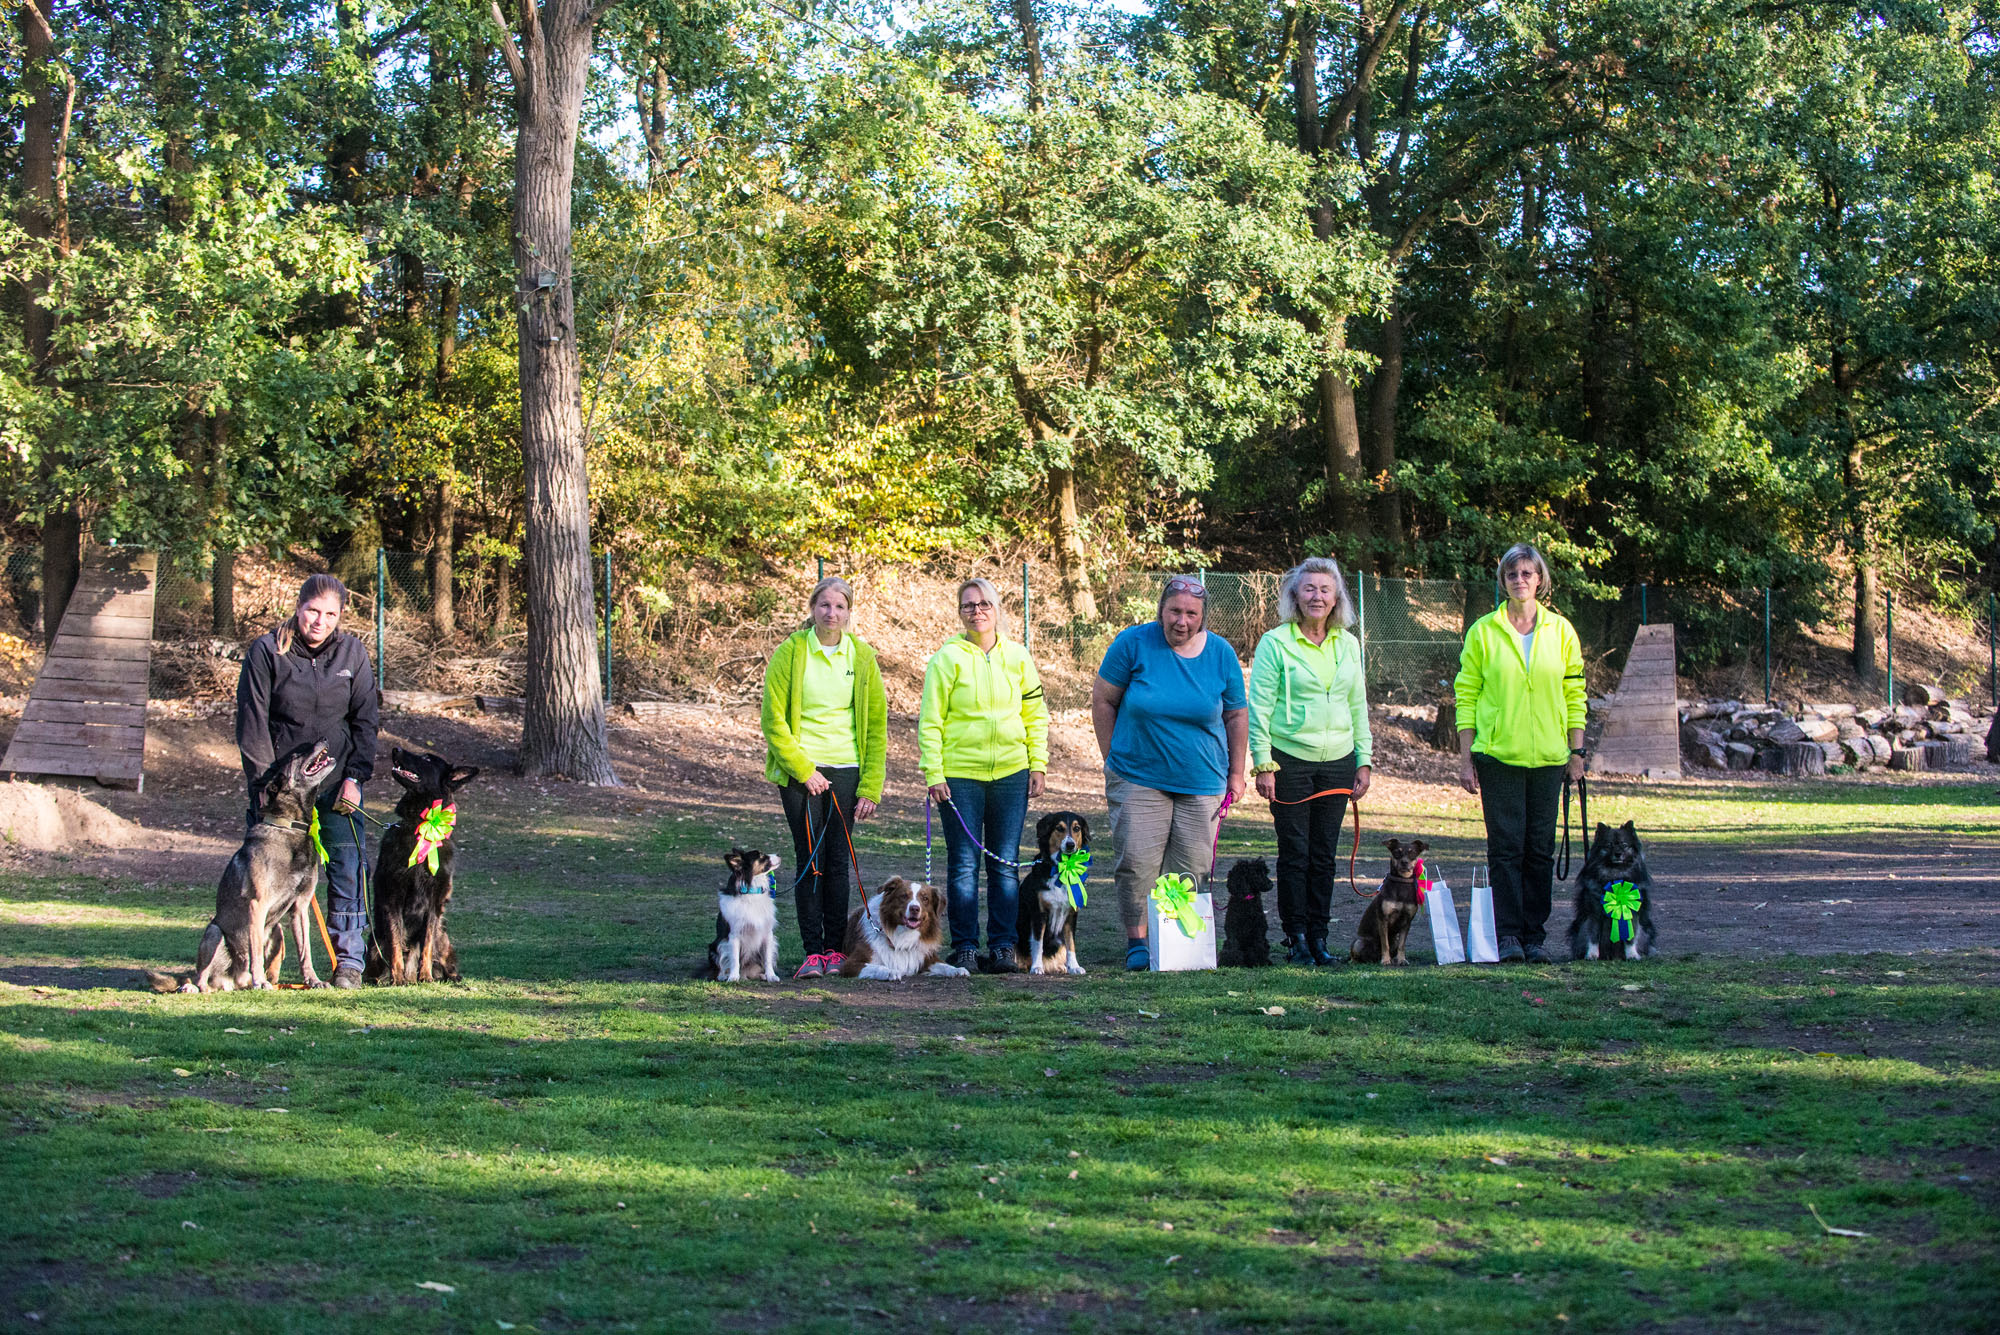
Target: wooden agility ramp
[1642,723]
[86,716]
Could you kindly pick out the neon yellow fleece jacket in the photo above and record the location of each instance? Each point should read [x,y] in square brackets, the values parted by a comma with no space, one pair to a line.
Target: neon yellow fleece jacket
[1521,712]
[784,699]
[1308,700]
[982,716]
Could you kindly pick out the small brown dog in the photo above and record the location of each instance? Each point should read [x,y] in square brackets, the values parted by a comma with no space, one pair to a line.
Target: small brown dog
[1385,927]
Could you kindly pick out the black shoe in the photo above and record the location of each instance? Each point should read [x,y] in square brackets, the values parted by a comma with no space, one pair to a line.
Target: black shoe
[1537,955]
[1000,961]
[346,975]
[1300,952]
[966,958]
[1510,950]
[1316,947]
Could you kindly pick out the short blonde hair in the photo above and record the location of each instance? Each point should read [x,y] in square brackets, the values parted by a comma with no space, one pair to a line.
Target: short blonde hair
[1519,552]
[1288,590]
[838,585]
[985,586]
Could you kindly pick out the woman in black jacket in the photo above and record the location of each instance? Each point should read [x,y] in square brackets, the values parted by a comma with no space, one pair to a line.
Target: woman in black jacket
[307,682]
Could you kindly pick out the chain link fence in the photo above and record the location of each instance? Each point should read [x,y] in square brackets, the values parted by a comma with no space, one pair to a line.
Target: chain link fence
[686,636]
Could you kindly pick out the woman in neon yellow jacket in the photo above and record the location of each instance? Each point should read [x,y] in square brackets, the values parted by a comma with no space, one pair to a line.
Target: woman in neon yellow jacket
[1521,706]
[1308,733]
[826,730]
[983,743]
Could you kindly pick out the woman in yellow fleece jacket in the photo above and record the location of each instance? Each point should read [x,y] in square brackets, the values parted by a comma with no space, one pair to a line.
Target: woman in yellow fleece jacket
[826,729]
[1521,709]
[1308,733]
[983,743]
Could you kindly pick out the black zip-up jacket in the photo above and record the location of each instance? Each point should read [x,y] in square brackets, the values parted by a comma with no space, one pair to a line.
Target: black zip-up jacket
[307,695]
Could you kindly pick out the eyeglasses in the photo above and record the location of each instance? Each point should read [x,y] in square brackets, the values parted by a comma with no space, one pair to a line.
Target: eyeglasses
[970,608]
[1182,584]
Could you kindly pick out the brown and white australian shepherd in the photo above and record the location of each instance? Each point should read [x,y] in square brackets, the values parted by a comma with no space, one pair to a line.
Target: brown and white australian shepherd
[898,933]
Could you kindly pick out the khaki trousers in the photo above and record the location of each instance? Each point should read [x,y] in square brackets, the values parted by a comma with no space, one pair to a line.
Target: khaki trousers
[1156,832]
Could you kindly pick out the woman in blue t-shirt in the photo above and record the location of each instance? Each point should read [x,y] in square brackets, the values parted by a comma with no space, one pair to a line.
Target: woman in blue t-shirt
[1173,728]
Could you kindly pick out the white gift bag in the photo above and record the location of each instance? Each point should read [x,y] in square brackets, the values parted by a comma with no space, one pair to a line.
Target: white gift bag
[1483,943]
[1445,938]
[1169,949]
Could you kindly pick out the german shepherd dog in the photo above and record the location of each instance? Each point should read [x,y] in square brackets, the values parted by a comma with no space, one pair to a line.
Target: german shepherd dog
[1246,928]
[1385,925]
[273,874]
[1616,859]
[746,920]
[1045,920]
[413,884]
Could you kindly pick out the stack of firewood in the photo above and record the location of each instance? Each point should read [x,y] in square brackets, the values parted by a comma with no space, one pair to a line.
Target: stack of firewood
[1929,730]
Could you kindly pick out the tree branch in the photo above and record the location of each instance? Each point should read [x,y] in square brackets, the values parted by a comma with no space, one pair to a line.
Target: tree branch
[377,45]
[1364,73]
[508,49]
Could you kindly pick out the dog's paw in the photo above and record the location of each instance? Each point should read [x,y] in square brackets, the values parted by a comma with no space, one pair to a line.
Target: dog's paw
[1037,970]
[770,975]
[880,974]
[264,985]
[312,982]
[943,970]
[1076,968]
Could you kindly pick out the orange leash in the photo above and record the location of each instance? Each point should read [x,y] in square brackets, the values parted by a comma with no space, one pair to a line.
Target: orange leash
[326,937]
[1352,853]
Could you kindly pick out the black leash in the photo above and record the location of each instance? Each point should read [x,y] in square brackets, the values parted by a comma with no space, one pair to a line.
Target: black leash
[1583,828]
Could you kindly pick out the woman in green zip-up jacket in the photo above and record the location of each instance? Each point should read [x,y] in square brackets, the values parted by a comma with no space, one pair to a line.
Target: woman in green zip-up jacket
[826,727]
[1521,709]
[983,743]
[1308,733]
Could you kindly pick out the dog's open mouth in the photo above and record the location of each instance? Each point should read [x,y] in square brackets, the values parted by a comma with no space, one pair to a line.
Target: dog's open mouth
[318,763]
[406,775]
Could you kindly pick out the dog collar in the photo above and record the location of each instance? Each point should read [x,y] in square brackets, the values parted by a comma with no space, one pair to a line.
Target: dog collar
[312,830]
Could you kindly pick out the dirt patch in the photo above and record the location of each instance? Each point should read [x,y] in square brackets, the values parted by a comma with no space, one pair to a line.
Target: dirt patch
[47,819]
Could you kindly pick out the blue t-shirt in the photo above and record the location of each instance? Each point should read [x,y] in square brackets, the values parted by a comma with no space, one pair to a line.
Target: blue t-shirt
[1169,733]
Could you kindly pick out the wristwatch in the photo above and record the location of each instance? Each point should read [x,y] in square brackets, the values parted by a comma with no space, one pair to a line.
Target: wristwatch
[1579,751]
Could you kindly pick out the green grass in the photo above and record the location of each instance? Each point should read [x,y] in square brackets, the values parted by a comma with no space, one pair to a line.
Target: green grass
[570,1147]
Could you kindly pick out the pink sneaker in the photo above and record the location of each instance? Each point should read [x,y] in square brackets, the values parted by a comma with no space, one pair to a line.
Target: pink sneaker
[814,967]
[832,960]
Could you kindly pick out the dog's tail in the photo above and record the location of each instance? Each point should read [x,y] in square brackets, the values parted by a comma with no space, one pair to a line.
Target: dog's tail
[163,982]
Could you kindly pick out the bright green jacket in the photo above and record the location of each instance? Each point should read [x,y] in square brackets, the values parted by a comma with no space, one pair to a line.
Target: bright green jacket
[983,716]
[1305,705]
[784,698]
[1521,712]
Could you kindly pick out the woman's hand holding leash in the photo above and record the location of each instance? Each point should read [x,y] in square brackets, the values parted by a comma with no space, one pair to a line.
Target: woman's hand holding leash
[817,783]
[940,793]
[350,797]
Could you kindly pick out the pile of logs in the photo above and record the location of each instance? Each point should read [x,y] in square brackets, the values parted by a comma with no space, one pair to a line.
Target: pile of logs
[1928,731]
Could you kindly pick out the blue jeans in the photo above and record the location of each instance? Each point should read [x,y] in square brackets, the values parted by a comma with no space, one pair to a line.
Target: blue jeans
[995,810]
[346,840]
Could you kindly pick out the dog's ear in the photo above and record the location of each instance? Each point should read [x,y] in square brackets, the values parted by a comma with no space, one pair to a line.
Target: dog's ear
[1419,848]
[1045,827]
[894,883]
[736,862]
[1631,830]
[1603,831]
[1395,847]
[461,776]
[1083,827]
[934,901]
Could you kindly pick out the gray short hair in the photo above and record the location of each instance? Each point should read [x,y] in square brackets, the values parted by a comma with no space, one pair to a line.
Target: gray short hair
[838,585]
[1519,552]
[1288,590]
[1187,585]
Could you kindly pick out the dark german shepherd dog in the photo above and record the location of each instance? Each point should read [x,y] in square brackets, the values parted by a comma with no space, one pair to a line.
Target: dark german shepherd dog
[272,875]
[1614,899]
[413,874]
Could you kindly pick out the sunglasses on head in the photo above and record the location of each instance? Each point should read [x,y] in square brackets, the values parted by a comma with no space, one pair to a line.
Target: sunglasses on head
[1182,584]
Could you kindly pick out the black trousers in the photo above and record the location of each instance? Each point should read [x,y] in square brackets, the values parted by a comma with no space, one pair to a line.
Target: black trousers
[1308,839]
[1521,805]
[821,895]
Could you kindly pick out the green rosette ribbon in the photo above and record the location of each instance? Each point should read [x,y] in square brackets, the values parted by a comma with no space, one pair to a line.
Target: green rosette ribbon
[312,832]
[1071,868]
[1621,901]
[1174,894]
[432,831]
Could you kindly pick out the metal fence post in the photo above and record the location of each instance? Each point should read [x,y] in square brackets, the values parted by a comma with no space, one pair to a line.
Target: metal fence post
[1889,643]
[381,619]
[1361,612]
[1644,620]
[1027,612]
[1992,650]
[607,627]
[822,568]
[1767,644]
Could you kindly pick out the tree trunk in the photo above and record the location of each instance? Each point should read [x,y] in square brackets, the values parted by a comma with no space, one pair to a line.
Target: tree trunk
[44,217]
[222,592]
[443,522]
[1867,618]
[1069,545]
[1386,509]
[563,725]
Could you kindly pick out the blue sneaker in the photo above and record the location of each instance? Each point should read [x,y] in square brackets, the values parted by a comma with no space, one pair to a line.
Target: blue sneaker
[1137,958]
